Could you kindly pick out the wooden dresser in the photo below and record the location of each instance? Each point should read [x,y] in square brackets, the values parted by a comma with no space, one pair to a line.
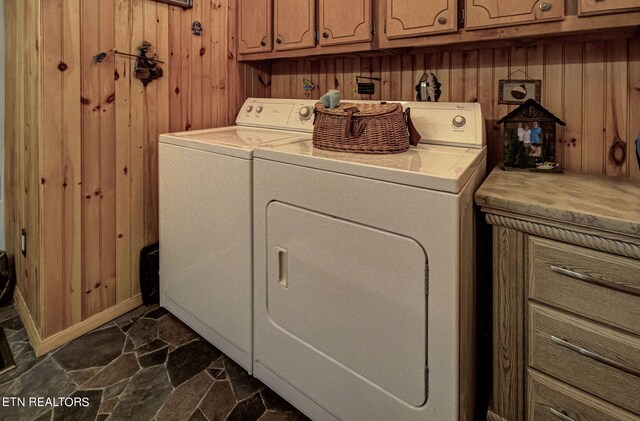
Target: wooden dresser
[566,296]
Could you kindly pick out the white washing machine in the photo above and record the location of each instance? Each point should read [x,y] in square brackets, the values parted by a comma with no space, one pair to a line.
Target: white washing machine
[205,192]
[364,273]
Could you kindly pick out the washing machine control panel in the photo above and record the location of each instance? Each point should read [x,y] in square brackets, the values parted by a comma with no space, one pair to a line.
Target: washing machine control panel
[285,114]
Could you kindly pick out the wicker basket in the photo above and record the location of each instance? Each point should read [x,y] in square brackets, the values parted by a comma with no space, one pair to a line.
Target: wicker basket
[364,128]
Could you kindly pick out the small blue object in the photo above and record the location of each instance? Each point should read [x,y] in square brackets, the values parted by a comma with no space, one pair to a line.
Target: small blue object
[196,28]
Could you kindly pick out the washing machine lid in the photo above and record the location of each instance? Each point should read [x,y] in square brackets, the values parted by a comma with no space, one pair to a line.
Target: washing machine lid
[238,141]
[434,167]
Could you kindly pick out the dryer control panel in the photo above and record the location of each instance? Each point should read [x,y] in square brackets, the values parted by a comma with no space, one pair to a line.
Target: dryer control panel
[285,114]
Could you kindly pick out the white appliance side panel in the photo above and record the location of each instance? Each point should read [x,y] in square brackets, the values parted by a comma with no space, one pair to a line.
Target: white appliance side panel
[432,219]
[205,242]
[352,292]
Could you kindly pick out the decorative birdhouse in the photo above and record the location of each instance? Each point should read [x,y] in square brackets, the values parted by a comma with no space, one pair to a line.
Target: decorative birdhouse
[530,135]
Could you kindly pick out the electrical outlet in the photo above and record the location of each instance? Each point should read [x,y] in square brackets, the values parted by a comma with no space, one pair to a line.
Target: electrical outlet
[23,242]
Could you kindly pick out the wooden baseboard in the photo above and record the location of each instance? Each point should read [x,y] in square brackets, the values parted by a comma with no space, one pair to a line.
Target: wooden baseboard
[42,346]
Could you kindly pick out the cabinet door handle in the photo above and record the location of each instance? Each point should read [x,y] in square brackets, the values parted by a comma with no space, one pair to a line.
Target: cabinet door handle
[442,20]
[597,357]
[325,35]
[279,40]
[283,278]
[263,43]
[560,414]
[592,280]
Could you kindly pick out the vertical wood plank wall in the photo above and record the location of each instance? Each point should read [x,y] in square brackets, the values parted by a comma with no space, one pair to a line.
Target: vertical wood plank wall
[81,138]
[594,86]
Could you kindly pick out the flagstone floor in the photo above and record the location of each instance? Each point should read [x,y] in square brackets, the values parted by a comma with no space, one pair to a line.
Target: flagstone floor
[145,365]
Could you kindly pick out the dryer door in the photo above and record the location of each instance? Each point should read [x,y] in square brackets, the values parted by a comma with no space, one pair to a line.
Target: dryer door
[353,294]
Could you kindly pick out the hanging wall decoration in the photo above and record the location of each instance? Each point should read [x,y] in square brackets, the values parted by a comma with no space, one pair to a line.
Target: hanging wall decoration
[185,4]
[517,91]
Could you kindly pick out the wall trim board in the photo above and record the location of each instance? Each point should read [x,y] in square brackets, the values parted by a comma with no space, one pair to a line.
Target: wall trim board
[42,346]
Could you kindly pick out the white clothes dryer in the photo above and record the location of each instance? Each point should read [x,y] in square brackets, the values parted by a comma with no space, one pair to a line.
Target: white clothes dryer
[364,273]
[205,194]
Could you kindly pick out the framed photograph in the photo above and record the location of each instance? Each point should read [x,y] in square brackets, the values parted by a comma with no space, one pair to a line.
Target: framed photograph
[185,4]
[516,92]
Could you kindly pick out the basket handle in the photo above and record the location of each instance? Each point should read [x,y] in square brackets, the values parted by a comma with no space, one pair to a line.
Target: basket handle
[414,136]
[350,129]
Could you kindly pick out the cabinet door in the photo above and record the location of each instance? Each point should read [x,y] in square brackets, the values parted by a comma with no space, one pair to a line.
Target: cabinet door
[254,20]
[294,24]
[344,21]
[594,7]
[483,13]
[409,18]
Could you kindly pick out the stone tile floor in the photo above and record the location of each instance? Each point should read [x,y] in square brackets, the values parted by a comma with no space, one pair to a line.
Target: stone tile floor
[145,365]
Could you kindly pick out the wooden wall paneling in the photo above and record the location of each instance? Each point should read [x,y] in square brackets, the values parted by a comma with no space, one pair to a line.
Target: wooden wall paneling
[470,76]
[137,136]
[385,76]
[551,92]
[407,85]
[175,63]
[348,83]
[205,53]
[495,143]
[156,118]
[186,75]
[487,90]
[91,164]
[395,78]
[418,70]
[441,65]
[123,81]
[634,106]
[593,102]
[233,94]
[11,138]
[218,59]
[196,64]
[61,171]
[616,107]
[572,114]
[456,75]
[106,197]
[29,165]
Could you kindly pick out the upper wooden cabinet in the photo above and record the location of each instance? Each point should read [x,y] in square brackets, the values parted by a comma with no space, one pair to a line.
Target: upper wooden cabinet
[294,24]
[485,13]
[344,21]
[593,7]
[410,18]
[254,20]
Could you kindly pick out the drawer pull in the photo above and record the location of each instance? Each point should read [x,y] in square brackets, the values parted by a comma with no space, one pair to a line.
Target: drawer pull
[594,356]
[592,280]
[560,414]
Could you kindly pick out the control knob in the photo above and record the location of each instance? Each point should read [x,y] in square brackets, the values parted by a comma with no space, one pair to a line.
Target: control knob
[249,108]
[259,109]
[305,113]
[459,121]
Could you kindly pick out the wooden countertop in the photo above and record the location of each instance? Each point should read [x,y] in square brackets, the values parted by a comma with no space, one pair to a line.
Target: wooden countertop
[602,203]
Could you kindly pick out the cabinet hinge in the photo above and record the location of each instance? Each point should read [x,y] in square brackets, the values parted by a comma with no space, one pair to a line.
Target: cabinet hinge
[373,28]
[385,26]
[317,35]
[462,14]
[426,280]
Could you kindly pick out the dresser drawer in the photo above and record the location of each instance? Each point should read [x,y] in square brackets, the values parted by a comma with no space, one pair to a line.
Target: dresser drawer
[597,285]
[551,400]
[594,358]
